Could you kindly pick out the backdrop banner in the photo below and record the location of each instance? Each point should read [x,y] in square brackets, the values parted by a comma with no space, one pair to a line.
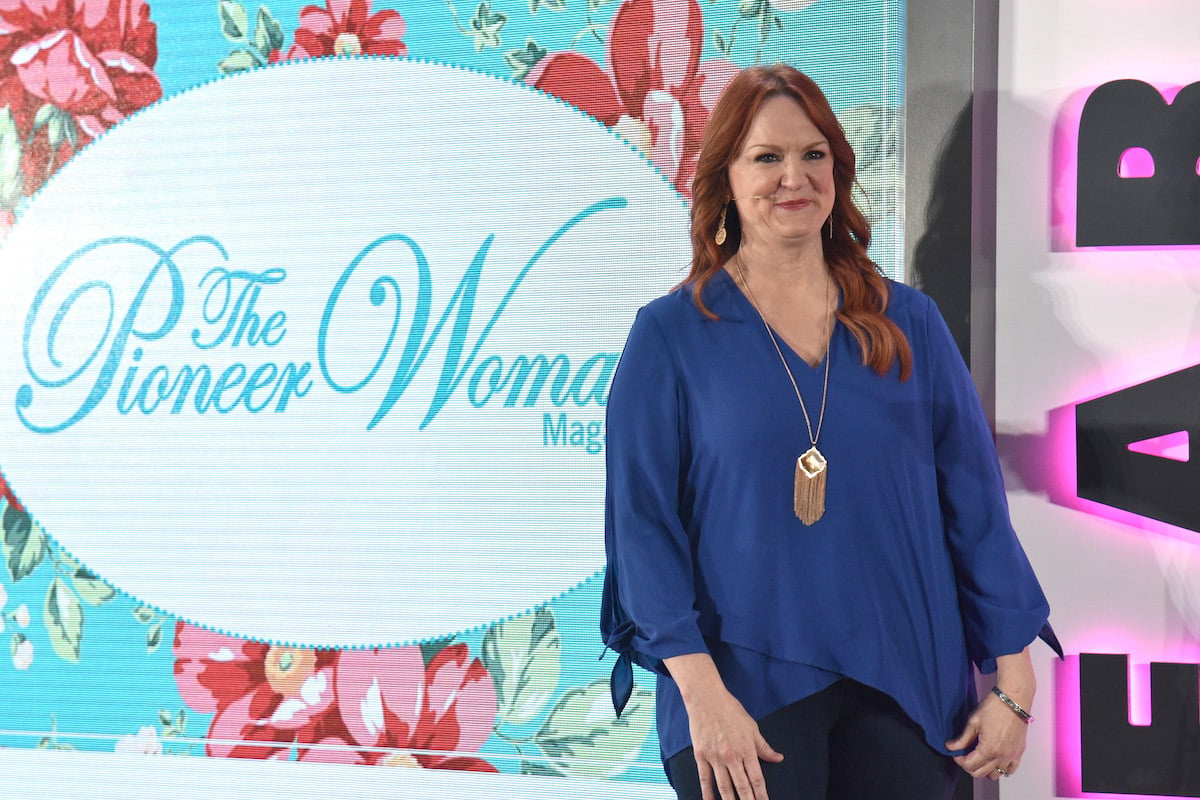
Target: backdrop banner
[308,319]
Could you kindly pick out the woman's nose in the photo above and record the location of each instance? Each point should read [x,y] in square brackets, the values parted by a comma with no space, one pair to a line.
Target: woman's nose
[795,173]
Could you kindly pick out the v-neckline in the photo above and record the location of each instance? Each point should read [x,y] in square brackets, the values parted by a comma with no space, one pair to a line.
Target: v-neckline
[785,347]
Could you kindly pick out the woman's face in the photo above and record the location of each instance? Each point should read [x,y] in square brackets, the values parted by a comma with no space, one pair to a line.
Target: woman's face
[782,180]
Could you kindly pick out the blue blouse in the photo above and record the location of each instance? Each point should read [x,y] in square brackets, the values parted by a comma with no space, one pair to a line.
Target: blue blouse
[914,571]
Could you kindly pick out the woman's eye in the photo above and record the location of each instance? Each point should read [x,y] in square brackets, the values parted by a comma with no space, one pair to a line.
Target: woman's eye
[815,155]
[767,158]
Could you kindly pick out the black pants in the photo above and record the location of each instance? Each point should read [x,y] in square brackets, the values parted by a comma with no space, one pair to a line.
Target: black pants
[848,742]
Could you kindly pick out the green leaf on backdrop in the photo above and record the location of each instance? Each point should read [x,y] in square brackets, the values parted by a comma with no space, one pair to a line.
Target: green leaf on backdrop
[52,743]
[24,542]
[235,22]
[764,25]
[93,590]
[43,116]
[238,61]
[61,128]
[486,25]
[63,616]
[523,657]
[154,637]
[523,59]
[540,770]
[720,43]
[430,648]
[549,5]
[268,33]
[583,738]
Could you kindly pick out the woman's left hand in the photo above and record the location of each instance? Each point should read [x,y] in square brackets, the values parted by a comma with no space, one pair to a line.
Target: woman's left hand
[998,736]
[995,731]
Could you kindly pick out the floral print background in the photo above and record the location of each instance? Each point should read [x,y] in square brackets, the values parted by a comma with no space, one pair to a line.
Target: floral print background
[89,667]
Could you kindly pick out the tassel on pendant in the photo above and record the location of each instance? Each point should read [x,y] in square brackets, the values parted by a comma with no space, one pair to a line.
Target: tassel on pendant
[809,499]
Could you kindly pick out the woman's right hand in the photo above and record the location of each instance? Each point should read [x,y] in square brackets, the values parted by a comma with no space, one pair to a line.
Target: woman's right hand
[725,738]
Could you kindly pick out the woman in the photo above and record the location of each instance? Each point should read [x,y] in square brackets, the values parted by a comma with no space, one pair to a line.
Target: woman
[807,532]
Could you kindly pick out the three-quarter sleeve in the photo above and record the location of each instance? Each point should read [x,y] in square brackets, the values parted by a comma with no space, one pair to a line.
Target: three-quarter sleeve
[649,611]
[1002,605]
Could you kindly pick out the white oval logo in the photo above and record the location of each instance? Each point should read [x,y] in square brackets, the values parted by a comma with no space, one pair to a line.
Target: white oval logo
[319,353]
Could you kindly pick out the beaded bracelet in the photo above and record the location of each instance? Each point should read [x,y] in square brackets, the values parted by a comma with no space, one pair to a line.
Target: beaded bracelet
[1008,701]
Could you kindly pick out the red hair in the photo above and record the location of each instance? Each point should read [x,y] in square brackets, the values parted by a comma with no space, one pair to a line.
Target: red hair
[864,290]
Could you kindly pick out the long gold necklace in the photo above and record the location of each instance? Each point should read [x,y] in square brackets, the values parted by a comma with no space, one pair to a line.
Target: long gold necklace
[812,470]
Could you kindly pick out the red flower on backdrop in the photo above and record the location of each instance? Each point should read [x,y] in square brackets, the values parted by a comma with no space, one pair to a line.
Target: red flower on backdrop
[5,491]
[402,712]
[265,698]
[347,27]
[71,69]
[382,707]
[656,91]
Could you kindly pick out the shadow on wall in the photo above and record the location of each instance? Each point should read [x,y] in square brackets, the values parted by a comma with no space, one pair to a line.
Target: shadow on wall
[941,265]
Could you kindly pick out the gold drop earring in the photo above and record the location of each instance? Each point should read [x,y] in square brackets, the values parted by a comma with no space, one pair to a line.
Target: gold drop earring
[721,235]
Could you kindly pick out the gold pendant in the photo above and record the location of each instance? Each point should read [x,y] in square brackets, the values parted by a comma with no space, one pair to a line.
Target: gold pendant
[809,498]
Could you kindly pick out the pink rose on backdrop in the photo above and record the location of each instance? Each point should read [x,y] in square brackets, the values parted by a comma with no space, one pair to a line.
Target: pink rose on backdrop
[71,69]
[265,698]
[394,706]
[347,27]
[656,91]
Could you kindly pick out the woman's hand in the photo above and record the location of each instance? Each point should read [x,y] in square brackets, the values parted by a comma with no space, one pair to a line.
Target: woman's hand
[996,731]
[725,739]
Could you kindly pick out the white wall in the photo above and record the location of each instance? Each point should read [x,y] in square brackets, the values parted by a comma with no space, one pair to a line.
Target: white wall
[1076,324]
